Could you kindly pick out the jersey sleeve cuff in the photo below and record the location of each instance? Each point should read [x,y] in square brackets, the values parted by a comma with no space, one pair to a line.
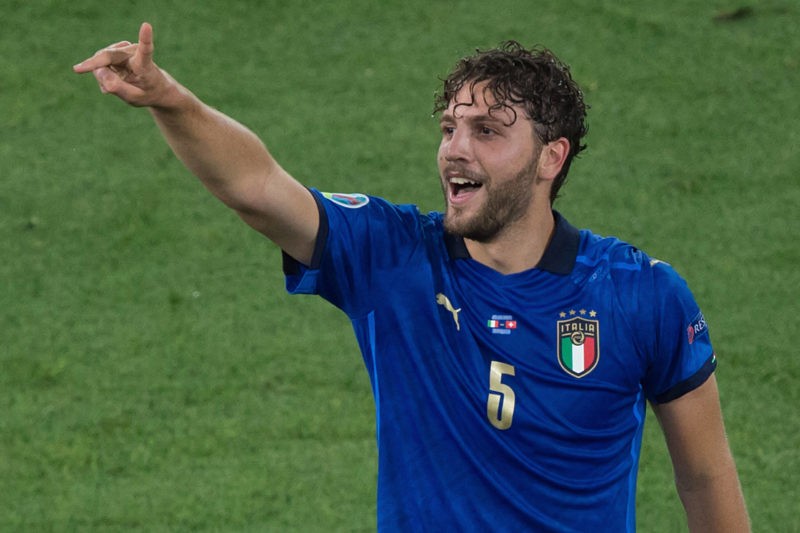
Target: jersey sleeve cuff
[302,279]
[291,266]
[688,385]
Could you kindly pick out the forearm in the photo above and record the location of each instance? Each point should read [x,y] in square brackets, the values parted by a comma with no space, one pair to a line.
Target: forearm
[705,472]
[227,157]
[714,502]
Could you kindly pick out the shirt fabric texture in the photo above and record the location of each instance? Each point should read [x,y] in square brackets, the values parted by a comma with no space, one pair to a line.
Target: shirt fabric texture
[504,402]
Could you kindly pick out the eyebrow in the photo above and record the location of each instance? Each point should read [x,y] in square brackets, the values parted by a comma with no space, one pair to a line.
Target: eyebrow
[482,118]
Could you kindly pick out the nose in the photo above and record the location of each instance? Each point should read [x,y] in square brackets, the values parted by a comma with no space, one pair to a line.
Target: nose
[458,146]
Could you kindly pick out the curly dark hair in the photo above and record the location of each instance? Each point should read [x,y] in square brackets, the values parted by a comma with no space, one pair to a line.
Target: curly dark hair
[534,79]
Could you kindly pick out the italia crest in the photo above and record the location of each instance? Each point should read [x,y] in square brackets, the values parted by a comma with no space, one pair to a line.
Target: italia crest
[578,343]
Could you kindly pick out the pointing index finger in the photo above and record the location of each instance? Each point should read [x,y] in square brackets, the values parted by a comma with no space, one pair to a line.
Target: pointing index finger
[141,53]
[113,55]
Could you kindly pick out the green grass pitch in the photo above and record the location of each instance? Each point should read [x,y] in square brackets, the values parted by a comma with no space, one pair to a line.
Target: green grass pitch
[153,374]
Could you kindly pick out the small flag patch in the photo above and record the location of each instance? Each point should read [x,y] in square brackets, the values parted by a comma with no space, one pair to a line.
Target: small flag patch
[501,324]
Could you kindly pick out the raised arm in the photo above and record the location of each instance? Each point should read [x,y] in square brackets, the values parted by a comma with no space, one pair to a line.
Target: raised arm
[705,473]
[227,157]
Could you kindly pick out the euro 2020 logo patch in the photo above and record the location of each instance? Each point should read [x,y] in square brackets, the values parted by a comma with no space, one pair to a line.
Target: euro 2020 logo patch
[349,200]
[578,343]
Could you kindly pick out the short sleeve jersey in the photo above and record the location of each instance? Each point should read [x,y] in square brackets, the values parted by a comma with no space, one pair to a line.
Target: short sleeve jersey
[504,402]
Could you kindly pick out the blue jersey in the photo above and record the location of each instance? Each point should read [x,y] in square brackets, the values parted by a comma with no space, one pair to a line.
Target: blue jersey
[504,402]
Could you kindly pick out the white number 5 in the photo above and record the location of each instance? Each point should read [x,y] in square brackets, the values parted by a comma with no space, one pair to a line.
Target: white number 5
[500,405]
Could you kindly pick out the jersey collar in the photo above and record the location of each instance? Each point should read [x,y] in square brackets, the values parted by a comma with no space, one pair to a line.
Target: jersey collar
[558,258]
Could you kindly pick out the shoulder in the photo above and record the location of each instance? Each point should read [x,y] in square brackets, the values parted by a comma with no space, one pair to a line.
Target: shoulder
[617,258]
[603,257]
[643,287]
[364,206]
[356,221]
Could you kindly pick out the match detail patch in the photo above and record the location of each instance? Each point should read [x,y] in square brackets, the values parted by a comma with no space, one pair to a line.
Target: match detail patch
[501,324]
[348,200]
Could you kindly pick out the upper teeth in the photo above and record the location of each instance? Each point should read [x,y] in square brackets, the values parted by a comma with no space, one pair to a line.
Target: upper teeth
[462,181]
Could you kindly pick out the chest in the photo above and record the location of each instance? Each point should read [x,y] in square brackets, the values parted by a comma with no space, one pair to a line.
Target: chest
[546,352]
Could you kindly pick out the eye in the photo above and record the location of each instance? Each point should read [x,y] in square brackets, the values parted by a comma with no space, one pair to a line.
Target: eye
[486,131]
[447,130]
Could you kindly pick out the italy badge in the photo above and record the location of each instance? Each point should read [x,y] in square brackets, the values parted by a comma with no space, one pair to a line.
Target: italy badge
[578,345]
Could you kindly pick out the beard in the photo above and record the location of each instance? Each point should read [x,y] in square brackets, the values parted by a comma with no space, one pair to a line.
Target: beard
[506,203]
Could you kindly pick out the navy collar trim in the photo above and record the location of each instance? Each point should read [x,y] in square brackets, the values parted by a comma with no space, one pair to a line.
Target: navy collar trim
[558,258]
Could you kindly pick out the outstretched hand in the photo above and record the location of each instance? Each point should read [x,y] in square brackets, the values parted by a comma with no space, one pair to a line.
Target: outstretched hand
[127,70]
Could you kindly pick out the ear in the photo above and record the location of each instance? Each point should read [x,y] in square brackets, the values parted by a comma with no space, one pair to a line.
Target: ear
[552,158]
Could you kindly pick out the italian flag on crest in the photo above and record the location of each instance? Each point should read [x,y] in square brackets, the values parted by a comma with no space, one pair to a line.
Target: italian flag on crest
[578,345]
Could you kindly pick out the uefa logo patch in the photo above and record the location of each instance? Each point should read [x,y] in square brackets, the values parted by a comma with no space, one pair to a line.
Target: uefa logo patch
[578,344]
[698,327]
[349,200]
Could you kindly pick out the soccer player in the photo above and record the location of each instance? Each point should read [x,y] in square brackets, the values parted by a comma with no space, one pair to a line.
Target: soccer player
[510,354]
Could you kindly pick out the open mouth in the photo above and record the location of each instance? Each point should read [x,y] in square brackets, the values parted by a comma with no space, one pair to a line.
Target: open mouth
[462,188]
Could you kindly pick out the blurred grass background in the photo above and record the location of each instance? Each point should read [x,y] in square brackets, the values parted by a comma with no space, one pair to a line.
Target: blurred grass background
[154,375]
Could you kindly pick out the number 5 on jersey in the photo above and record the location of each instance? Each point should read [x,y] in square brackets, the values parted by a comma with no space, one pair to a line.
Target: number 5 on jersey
[500,405]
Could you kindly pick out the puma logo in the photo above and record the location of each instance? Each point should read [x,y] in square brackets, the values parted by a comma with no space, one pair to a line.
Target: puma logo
[443,300]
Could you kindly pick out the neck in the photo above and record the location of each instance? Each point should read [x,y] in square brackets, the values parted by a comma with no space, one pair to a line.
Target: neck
[517,248]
